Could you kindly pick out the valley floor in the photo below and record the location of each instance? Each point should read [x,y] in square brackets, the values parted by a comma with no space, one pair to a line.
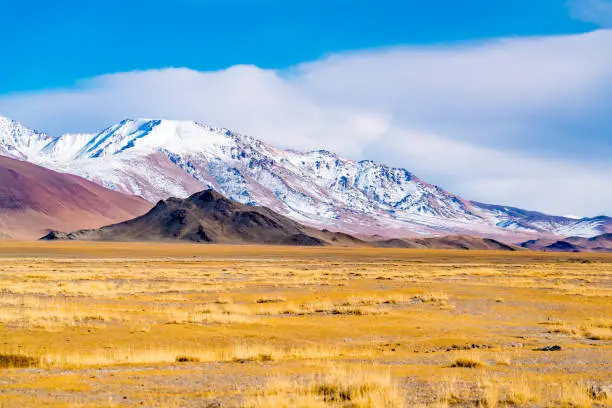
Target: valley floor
[114,325]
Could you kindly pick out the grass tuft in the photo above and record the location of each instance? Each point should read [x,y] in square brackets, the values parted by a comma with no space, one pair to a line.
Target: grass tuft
[467,360]
[187,359]
[17,361]
[466,363]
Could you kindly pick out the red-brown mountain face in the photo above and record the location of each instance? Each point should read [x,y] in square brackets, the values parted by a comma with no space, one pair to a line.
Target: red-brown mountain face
[34,200]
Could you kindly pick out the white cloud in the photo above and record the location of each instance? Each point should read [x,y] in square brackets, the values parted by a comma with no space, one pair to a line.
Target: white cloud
[595,11]
[244,98]
[502,122]
[480,93]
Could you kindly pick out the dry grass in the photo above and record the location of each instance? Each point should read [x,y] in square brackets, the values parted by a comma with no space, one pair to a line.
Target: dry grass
[517,390]
[432,297]
[598,333]
[565,329]
[520,391]
[242,352]
[185,326]
[356,387]
[524,391]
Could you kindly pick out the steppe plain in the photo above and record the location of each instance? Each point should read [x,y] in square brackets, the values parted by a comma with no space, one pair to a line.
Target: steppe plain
[179,325]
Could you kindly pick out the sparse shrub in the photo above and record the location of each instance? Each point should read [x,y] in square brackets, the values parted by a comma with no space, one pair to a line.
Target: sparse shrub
[262,357]
[271,300]
[467,360]
[466,363]
[447,306]
[563,329]
[187,359]
[17,361]
[224,300]
[431,297]
[355,311]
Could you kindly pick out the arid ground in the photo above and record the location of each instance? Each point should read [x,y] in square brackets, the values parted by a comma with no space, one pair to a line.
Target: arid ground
[95,324]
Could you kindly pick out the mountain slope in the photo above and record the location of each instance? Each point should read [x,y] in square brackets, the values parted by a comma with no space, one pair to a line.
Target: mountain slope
[157,159]
[34,199]
[208,217]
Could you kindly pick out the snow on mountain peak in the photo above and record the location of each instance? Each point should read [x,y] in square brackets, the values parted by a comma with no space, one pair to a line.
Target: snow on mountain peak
[149,135]
[18,141]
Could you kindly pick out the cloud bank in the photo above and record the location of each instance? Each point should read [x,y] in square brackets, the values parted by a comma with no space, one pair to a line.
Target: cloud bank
[522,122]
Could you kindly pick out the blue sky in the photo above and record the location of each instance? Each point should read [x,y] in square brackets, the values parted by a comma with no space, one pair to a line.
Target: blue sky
[54,43]
[505,102]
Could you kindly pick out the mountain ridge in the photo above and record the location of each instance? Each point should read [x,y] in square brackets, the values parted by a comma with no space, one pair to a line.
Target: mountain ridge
[158,159]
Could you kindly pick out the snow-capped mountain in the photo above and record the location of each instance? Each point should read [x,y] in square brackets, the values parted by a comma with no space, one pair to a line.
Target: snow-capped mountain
[157,159]
[19,142]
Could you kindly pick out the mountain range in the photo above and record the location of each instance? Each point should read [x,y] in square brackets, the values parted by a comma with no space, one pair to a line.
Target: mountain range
[209,217]
[600,243]
[159,159]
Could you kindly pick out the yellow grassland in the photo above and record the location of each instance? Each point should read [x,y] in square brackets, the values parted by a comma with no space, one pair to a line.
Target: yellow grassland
[178,325]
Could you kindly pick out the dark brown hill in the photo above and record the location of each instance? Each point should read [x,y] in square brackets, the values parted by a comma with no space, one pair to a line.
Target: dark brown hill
[209,217]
